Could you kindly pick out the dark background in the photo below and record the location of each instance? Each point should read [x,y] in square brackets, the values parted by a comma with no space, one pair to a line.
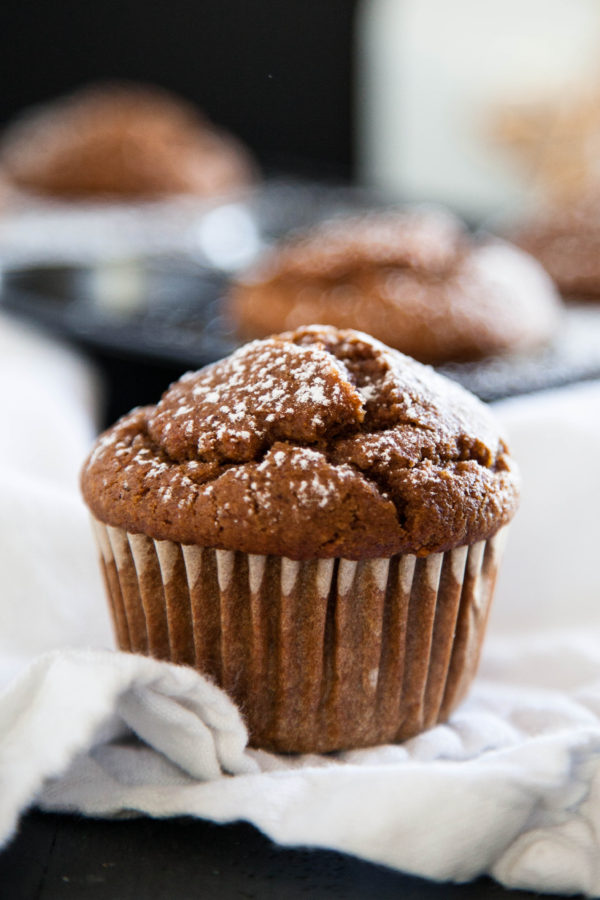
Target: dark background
[276,72]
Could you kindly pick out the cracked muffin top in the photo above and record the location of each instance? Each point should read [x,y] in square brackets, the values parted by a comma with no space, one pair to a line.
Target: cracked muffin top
[415,279]
[122,139]
[308,444]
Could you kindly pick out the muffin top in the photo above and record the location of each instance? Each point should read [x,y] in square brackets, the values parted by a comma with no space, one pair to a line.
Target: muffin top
[309,444]
[413,278]
[566,241]
[121,139]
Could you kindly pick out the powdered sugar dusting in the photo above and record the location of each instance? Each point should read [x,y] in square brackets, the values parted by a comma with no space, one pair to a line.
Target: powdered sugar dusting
[271,387]
[318,434]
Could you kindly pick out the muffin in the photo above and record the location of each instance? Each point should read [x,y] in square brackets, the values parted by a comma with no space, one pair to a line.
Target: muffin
[314,523]
[122,140]
[415,280]
[566,241]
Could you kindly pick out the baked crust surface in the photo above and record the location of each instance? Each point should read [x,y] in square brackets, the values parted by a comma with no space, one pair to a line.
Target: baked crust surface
[316,443]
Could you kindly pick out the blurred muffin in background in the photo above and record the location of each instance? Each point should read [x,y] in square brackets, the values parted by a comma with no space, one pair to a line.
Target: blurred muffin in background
[553,139]
[122,140]
[415,279]
[555,142]
[566,240]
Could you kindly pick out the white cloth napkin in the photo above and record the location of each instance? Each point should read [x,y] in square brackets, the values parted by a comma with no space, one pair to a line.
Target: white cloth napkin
[509,787]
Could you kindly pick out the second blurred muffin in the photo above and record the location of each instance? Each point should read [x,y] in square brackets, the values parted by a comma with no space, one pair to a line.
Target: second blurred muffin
[122,140]
[415,280]
[566,241]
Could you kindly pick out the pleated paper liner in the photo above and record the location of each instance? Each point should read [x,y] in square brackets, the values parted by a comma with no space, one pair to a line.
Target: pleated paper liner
[319,655]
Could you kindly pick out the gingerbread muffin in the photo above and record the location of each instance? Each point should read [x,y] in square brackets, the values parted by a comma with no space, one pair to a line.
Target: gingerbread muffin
[315,523]
[415,280]
[566,241]
[122,140]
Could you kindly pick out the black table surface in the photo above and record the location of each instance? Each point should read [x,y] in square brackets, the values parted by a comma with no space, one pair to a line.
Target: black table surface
[64,856]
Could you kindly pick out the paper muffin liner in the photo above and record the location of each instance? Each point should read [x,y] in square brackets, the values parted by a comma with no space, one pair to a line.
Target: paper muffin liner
[320,655]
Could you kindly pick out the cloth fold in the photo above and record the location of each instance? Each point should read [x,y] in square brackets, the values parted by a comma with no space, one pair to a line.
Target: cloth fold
[510,786]
[73,702]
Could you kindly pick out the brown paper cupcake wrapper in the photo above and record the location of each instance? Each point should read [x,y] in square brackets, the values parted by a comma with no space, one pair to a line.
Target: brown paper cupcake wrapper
[320,655]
